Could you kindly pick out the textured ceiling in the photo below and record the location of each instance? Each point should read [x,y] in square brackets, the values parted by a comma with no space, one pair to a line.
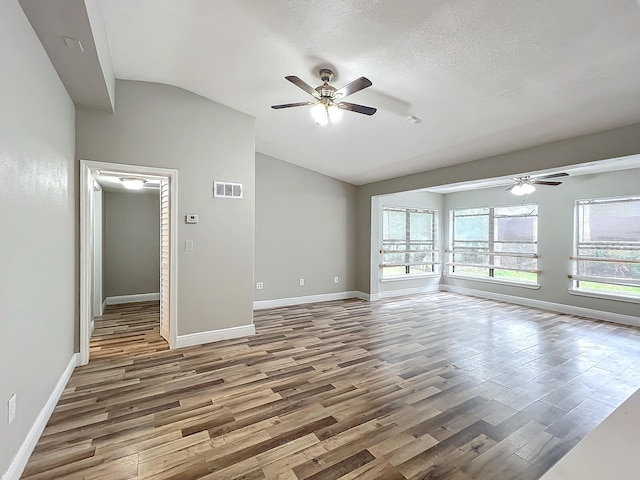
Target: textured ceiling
[485,76]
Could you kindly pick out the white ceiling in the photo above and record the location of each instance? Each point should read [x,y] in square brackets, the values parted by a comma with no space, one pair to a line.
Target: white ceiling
[485,76]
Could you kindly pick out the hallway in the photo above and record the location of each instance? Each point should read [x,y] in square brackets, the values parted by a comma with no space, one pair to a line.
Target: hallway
[130,328]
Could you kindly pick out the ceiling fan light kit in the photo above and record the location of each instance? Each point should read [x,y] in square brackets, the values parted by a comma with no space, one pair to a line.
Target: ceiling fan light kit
[325,112]
[329,107]
[523,189]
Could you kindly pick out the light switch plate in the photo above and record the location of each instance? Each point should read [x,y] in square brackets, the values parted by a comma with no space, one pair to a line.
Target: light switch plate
[191,218]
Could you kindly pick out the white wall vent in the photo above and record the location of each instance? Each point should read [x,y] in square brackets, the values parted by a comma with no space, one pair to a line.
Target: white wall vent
[227,190]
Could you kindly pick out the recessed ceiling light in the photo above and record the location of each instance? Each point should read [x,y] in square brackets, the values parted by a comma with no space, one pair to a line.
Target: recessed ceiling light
[412,119]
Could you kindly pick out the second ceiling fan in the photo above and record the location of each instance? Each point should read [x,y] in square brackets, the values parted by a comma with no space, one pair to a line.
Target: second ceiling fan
[525,185]
[328,106]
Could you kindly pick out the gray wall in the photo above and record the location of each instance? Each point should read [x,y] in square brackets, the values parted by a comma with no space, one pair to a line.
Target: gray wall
[305,228]
[433,201]
[555,234]
[132,246]
[38,309]
[598,146]
[163,126]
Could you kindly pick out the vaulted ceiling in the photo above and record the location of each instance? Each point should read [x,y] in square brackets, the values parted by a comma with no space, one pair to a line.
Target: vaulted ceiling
[484,76]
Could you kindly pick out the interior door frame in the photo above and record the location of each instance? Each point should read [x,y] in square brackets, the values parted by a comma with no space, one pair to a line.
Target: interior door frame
[87,168]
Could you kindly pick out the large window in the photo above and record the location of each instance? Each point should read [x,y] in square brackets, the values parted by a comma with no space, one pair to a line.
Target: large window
[408,241]
[607,247]
[499,243]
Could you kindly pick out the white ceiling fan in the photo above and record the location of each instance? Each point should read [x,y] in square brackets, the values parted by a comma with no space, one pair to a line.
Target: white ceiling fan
[526,184]
[328,106]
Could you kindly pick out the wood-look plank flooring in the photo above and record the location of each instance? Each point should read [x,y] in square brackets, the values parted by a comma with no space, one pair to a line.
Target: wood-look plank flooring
[436,386]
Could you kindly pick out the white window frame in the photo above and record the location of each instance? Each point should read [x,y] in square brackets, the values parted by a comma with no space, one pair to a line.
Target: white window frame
[434,251]
[576,258]
[490,251]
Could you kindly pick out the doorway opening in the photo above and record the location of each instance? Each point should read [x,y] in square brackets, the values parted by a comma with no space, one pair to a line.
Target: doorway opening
[92,176]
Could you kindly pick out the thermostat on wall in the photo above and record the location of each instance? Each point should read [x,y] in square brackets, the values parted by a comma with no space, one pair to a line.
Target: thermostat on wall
[191,218]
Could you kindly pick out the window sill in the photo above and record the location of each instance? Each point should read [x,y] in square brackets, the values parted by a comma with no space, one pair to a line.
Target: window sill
[405,277]
[604,296]
[532,286]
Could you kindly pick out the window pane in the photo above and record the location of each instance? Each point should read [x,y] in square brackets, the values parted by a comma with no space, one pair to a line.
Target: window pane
[517,229]
[609,270]
[419,257]
[516,262]
[394,225]
[610,222]
[393,258]
[517,210]
[391,271]
[420,226]
[414,269]
[609,288]
[476,258]
[472,271]
[471,228]
[515,276]
[516,247]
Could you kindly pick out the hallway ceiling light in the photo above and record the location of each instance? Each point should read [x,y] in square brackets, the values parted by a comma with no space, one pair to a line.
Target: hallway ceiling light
[133,183]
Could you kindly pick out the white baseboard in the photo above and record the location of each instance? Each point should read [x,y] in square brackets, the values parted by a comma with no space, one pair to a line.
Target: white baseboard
[140,297]
[408,291]
[201,338]
[554,307]
[286,302]
[92,327]
[24,452]
[366,296]
[104,305]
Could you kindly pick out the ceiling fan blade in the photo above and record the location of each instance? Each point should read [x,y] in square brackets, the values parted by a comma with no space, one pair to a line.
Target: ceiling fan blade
[353,107]
[509,188]
[537,182]
[353,87]
[298,82]
[553,175]
[288,105]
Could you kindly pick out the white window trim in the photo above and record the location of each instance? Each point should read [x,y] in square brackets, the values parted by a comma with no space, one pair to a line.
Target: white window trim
[604,296]
[532,286]
[408,277]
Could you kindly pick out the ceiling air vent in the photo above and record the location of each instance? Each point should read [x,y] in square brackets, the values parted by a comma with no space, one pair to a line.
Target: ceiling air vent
[227,190]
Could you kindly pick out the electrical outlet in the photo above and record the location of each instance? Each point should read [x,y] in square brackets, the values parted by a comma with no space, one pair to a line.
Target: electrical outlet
[302,282]
[188,245]
[259,286]
[11,409]
[336,279]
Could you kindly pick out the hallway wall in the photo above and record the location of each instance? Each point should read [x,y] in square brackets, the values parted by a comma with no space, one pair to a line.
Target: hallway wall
[38,277]
[132,243]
